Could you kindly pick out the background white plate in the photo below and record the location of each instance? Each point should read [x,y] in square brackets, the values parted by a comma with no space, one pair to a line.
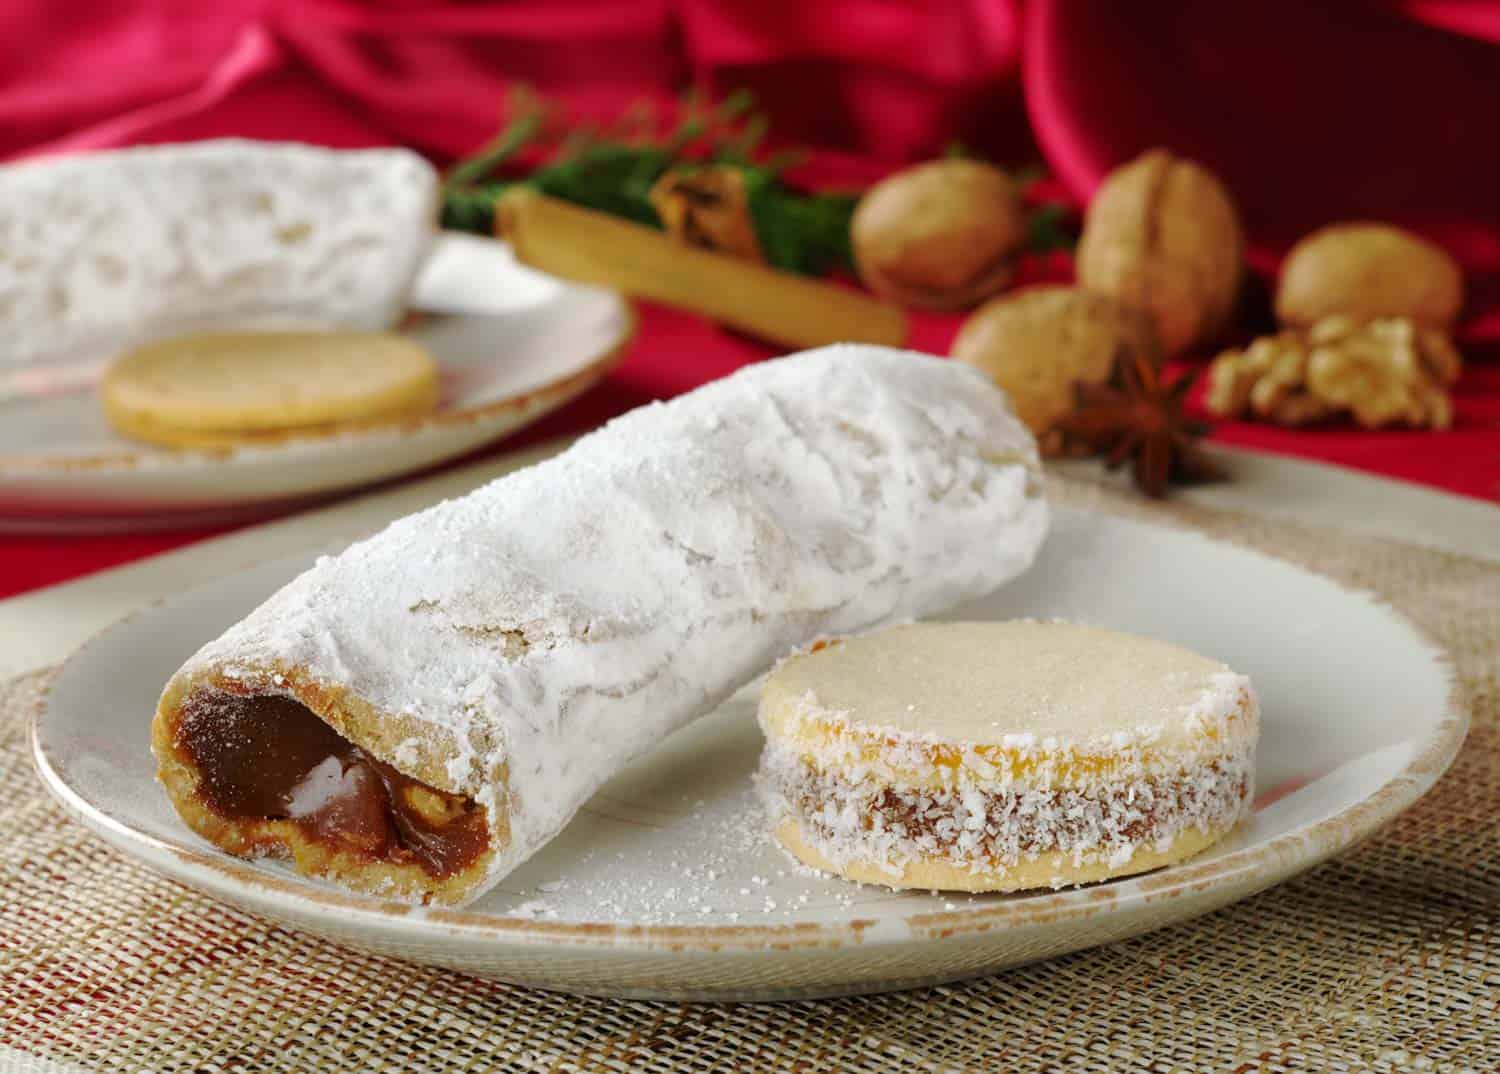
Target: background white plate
[521,347]
[666,886]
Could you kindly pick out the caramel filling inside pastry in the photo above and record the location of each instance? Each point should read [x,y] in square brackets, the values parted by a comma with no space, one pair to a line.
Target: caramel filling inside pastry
[270,758]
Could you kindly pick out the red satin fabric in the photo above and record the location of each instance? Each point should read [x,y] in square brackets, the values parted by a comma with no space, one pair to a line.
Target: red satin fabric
[1312,113]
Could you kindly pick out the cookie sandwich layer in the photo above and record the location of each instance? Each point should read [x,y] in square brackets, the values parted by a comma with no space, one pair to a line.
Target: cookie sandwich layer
[1000,756]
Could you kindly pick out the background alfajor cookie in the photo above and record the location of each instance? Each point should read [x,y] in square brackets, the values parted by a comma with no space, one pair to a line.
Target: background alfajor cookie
[218,389]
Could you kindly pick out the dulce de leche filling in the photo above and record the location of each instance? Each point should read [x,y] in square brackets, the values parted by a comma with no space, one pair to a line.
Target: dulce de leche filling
[270,758]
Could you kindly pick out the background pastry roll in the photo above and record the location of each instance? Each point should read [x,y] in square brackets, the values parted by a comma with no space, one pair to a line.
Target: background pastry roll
[416,716]
[110,249]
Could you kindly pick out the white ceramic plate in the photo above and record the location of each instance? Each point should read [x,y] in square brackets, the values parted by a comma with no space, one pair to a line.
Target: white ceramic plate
[666,885]
[511,346]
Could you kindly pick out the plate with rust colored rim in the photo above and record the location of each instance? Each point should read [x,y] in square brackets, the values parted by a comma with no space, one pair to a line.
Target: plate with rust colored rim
[511,347]
[666,884]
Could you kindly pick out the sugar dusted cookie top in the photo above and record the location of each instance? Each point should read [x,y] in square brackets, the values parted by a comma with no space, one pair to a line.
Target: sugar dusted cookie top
[1013,685]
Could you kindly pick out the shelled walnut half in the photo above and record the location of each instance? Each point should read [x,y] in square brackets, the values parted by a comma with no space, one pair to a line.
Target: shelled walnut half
[1384,372]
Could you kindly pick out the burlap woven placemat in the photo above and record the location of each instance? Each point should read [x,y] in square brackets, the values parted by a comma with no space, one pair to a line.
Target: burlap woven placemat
[1386,959]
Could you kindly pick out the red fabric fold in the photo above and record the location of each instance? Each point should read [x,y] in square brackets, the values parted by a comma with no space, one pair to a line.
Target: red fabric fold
[1311,113]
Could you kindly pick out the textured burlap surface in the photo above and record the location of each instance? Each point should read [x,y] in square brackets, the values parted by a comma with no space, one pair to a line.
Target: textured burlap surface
[1386,959]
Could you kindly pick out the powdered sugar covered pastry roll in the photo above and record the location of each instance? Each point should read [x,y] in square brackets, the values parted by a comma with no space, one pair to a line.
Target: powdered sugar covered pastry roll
[418,715]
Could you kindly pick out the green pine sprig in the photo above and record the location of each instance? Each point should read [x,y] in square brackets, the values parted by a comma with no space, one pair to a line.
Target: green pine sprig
[613,172]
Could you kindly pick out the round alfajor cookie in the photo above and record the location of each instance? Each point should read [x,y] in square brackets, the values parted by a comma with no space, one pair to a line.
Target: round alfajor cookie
[1001,756]
[221,389]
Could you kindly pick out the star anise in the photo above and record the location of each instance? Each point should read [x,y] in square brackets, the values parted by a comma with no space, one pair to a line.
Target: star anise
[1137,416]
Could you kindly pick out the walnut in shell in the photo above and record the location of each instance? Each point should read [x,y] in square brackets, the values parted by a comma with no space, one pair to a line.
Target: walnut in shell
[1162,235]
[1383,372]
[1368,270]
[942,235]
[1038,343]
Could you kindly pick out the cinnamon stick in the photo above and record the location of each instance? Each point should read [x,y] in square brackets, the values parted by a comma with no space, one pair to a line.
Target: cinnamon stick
[592,247]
